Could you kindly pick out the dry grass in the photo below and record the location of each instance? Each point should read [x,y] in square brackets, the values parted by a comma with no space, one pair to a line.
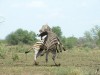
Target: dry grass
[76,62]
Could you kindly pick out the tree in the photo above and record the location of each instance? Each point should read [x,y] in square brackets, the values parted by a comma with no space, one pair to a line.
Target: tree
[96,34]
[92,37]
[57,30]
[21,36]
[64,41]
[88,36]
[71,42]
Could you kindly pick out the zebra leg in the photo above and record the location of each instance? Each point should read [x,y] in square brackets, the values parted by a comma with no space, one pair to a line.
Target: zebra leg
[35,57]
[54,56]
[47,53]
[37,53]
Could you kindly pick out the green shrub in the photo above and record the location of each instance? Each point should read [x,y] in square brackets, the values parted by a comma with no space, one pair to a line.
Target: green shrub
[2,53]
[21,36]
[15,57]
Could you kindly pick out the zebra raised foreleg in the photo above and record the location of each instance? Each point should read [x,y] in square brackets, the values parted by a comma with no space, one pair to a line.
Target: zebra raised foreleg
[60,45]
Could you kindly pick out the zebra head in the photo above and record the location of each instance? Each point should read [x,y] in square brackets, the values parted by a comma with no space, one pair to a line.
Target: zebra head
[44,31]
[45,28]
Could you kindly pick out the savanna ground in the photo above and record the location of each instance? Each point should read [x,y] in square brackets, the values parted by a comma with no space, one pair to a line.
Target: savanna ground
[13,61]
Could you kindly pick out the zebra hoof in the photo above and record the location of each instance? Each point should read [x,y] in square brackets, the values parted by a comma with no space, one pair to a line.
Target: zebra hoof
[57,64]
[36,63]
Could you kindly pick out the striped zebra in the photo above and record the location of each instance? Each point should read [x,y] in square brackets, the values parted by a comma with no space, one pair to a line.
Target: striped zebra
[51,41]
[39,50]
[51,38]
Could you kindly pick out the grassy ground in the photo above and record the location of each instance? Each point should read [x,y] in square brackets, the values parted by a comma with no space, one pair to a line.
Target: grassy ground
[73,62]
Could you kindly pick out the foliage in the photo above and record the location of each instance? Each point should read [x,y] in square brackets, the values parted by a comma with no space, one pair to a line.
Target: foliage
[15,57]
[68,42]
[96,34]
[2,51]
[92,37]
[2,55]
[71,42]
[57,30]
[2,41]
[88,36]
[64,41]
[21,36]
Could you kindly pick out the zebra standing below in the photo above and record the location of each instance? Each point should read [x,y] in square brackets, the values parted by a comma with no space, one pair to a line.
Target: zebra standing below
[38,48]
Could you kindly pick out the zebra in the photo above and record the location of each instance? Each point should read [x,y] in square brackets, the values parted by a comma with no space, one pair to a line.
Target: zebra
[51,41]
[39,49]
[51,38]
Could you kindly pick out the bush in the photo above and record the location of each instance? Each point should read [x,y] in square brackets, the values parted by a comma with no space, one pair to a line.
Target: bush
[2,53]
[21,36]
[69,42]
[15,57]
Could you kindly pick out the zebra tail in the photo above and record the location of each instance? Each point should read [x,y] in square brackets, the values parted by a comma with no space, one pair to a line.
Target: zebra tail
[28,50]
[61,45]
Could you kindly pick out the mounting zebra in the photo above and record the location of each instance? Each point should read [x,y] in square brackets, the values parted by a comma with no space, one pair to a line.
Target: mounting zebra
[51,41]
[51,38]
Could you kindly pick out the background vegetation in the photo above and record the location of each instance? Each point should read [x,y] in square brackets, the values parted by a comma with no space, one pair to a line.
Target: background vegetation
[81,57]
[21,36]
[91,38]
